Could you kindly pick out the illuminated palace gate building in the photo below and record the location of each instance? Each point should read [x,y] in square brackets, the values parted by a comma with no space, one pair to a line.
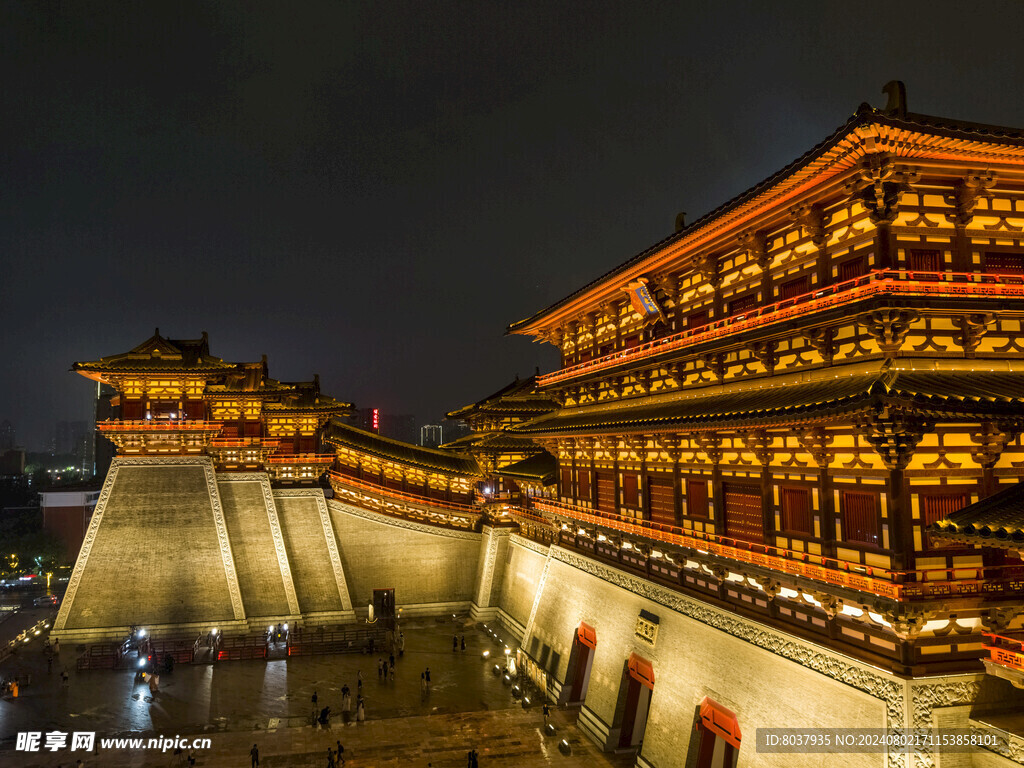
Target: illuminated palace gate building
[767,411]
[780,486]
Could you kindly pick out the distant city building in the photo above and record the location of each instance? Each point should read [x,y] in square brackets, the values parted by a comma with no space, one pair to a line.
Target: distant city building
[430,435]
[396,426]
[66,514]
[12,462]
[7,436]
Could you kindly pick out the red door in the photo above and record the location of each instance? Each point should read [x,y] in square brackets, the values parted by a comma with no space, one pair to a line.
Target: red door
[743,517]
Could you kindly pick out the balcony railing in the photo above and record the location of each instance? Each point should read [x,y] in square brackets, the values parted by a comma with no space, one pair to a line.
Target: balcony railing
[391,494]
[1005,651]
[899,282]
[159,425]
[301,458]
[896,585]
[245,442]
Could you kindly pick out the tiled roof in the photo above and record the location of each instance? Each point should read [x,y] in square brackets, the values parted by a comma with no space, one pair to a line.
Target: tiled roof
[865,115]
[518,396]
[959,393]
[157,354]
[997,521]
[447,462]
[541,467]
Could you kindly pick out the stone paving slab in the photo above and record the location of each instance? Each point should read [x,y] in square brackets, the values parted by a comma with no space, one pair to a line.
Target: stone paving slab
[507,738]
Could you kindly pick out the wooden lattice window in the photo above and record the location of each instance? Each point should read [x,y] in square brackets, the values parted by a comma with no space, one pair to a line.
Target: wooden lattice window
[565,487]
[937,505]
[922,260]
[860,517]
[853,268]
[795,287]
[796,511]
[697,498]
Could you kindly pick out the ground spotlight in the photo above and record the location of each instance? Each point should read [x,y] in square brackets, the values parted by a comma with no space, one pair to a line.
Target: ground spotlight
[487,654]
[496,670]
[549,729]
[564,748]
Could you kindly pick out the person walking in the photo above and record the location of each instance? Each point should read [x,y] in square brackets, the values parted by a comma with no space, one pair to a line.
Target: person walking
[360,710]
[346,703]
[64,677]
[330,758]
[463,643]
[341,755]
[359,680]
[392,673]
[423,682]
[380,668]
[314,698]
[427,673]
[255,754]
[455,643]
[547,712]
[391,660]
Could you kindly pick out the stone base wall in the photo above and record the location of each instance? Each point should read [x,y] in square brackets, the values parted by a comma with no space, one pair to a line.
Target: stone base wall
[768,678]
[425,565]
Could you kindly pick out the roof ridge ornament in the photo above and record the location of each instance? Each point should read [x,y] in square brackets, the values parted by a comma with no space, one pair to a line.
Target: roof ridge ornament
[897,104]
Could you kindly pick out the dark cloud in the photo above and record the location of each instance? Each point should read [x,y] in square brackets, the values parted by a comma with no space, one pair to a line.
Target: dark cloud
[373,191]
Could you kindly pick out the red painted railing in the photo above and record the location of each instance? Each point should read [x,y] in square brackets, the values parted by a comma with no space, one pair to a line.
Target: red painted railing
[1005,651]
[899,282]
[897,585]
[335,478]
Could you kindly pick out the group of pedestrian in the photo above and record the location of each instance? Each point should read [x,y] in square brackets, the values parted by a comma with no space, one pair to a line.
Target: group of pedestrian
[455,643]
[386,669]
[472,759]
[425,680]
[336,758]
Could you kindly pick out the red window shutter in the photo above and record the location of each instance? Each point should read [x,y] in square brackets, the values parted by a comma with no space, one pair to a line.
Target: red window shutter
[697,498]
[583,484]
[920,260]
[797,287]
[796,510]
[860,517]
[630,489]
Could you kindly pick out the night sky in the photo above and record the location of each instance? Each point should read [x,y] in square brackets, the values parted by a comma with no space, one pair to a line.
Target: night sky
[373,191]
